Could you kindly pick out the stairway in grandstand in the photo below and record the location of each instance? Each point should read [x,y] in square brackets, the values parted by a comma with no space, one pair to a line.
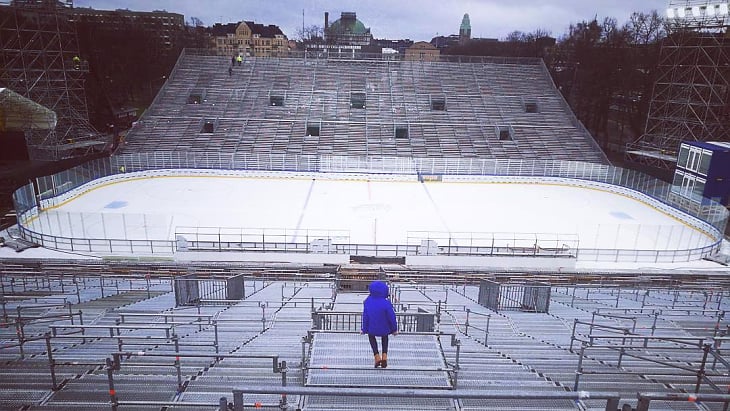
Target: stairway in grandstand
[494,108]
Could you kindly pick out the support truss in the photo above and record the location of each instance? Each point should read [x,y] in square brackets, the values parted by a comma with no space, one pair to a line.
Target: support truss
[37,49]
[691,98]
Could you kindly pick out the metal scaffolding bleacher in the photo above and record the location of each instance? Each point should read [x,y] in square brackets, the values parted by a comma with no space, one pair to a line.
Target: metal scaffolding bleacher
[362,108]
[76,340]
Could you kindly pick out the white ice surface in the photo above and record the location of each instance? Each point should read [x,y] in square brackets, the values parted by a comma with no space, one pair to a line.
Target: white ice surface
[371,211]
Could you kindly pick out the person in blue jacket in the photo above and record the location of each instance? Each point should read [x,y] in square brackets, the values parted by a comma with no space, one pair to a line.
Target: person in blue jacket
[378,320]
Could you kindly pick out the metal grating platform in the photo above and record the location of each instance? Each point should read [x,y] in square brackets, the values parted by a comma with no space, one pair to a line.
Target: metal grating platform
[344,359]
[322,402]
[519,405]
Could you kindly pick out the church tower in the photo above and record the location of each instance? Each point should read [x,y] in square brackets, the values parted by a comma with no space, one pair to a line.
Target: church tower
[465,29]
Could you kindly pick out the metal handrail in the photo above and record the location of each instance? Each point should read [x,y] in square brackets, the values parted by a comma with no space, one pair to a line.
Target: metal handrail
[114,363]
[646,398]
[612,399]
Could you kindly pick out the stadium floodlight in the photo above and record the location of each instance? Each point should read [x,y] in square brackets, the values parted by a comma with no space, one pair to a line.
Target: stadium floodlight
[723,9]
[696,11]
[670,13]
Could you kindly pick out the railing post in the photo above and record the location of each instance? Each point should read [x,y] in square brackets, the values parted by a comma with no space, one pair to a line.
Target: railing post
[466,324]
[572,335]
[199,319]
[237,400]
[177,362]
[5,312]
[579,370]
[643,403]
[486,330]
[70,313]
[612,404]
[701,371]
[572,299]
[593,322]
[51,362]
[215,336]
[110,377]
[303,363]
[720,316]
[623,349]
[263,316]
[117,361]
[21,336]
[283,402]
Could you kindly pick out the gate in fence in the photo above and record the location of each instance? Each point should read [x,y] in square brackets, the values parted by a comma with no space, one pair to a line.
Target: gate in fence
[526,296]
[190,289]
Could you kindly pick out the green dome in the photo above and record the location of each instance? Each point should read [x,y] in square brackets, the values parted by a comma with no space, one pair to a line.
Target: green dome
[349,24]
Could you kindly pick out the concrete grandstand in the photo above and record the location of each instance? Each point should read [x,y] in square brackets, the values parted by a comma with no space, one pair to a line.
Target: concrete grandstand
[228,328]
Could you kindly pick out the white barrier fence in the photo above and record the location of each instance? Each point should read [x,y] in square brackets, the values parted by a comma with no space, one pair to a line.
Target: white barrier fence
[705,221]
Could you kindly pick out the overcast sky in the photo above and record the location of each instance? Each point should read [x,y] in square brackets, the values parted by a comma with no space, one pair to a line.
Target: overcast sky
[399,19]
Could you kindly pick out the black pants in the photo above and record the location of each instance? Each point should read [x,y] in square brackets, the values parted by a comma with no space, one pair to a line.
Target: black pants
[374,343]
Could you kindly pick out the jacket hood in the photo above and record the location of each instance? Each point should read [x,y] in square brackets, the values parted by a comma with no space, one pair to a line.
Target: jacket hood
[378,289]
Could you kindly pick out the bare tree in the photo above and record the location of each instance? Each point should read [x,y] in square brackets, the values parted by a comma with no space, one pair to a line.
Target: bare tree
[516,36]
[195,22]
[643,28]
[522,37]
[313,34]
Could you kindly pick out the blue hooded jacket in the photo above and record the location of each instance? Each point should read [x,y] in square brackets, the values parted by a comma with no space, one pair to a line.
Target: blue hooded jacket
[378,316]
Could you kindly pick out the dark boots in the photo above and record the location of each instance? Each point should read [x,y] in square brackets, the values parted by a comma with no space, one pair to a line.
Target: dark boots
[384,360]
[377,360]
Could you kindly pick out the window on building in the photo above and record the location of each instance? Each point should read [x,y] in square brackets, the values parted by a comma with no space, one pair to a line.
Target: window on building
[504,133]
[357,99]
[705,162]
[693,161]
[677,181]
[683,155]
[688,185]
[699,188]
[438,103]
[401,131]
[208,127]
[312,129]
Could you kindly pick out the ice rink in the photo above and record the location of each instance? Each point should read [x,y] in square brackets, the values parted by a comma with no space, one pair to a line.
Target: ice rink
[359,210]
